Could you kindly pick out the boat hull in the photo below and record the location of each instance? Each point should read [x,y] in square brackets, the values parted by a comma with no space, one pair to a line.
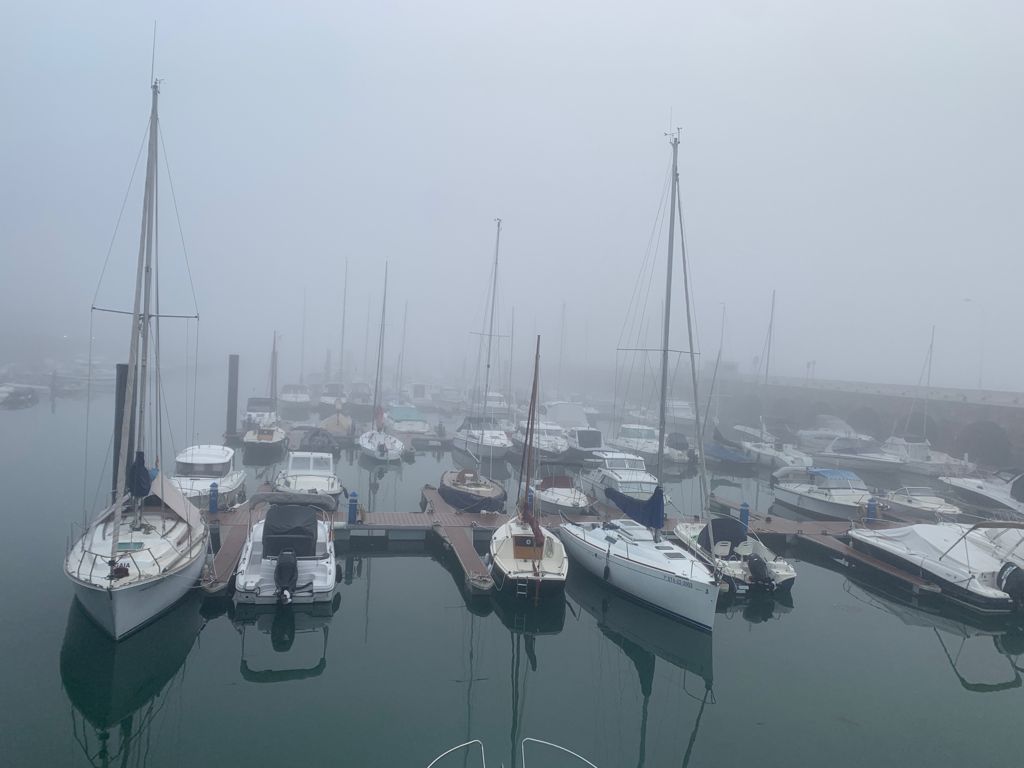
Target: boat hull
[526,590]
[691,602]
[263,453]
[819,508]
[475,448]
[468,501]
[124,610]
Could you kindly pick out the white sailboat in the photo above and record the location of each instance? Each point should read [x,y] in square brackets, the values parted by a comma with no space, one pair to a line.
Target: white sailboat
[144,552]
[526,559]
[629,554]
[377,444]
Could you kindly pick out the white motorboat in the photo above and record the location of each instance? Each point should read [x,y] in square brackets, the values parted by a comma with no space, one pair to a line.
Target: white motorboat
[920,458]
[408,422]
[526,560]
[309,472]
[643,440]
[480,436]
[737,554]
[264,445]
[1002,492]
[557,494]
[565,414]
[295,399]
[549,441]
[857,453]
[826,429]
[776,455]
[680,415]
[980,566]
[288,556]
[917,503]
[199,466]
[260,412]
[378,445]
[495,402]
[625,472]
[835,494]
[143,553]
[584,443]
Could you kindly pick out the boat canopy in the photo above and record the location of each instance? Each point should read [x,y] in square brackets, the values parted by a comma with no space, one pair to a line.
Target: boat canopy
[722,529]
[650,512]
[290,526]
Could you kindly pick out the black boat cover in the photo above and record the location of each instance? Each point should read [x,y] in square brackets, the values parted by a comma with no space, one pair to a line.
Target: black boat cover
[139,479]
[290,526]
[722,529]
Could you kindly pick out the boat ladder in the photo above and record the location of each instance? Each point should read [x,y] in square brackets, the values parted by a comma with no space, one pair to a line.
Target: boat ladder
[522,588]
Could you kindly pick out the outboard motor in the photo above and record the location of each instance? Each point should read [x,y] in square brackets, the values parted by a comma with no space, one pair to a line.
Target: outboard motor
[286,576]
[759,571]
[1010,579]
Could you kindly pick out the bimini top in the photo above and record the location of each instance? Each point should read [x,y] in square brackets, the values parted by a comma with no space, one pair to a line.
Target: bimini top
[834,474]
[205,454]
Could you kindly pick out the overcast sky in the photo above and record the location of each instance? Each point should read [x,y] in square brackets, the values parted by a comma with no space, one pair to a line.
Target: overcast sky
[862,158]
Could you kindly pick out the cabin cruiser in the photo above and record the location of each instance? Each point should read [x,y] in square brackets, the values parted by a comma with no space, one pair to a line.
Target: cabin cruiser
[826,429]
[920,458]
[857,453]
[919,504]
[1002,492]
[481,437]
[583,443]
[264,445]
[625,472]
[332,397]
[199,466]
[288,556]
[980,566]
[295,400]
[771,451]
[309,472]
[731,549]
[557,494]
[643,440]
[835,494]
[408,422]
[548,440]
[470,491]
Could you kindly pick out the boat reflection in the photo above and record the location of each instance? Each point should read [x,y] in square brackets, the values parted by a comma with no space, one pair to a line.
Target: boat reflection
[380,481]
[959,639]
[645,636]
[756,608]
[123,685]
[283,626]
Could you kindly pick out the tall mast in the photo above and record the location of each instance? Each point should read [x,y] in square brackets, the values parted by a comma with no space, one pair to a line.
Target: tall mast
[302,343]
[561,356]
[380,352]
[928,386]
[139,325]
[668,308]
[767,361]
[511,363]
[401,356]
[344,312]
[273,371]
[490,326]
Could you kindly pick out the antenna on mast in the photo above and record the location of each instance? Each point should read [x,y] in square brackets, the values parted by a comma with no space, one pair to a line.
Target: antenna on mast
[152,60]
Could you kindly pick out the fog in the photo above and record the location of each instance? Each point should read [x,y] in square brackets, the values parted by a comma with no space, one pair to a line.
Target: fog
[862,159]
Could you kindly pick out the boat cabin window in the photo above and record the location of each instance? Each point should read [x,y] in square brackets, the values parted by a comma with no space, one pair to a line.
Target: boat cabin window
[549,432]
[615,463]
[298,463]
[322,464]
[637,487]
[188,469]
[588,438]
[259,404]
[854,483]
[639,433]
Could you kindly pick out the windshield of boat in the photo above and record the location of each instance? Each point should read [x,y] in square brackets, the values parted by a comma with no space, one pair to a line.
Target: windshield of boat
[188,469]
[624,463]
[259,404]
[637,487]
[322,464]
[639,433]
[299,464]
[588,438]
[840,480]
[549,432]
[916,492]
[854,445]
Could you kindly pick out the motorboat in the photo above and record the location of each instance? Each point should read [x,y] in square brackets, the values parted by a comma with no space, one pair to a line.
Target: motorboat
[1002,492]
[495,402]
[771,451]
[857,453]
[295,400]
[727,455]
[680,415]
[833,494]
[378,445]
[979,566]
[408,423]
[583,443]
[263,445]
[625,472]
[480,436]
[643,440]
[198,467]
[448,400]
[919,504]
[743,561]
[470,491]
[332,398]
[920,458]
[558,494]
[309,473]
[288,555]
[549,440]
[826,429]
[565,414]
[143,553]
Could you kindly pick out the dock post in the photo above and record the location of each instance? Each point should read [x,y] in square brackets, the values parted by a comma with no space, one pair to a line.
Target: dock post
[353,507]
[231,429]
[872,508]
[745,514]
[213,498]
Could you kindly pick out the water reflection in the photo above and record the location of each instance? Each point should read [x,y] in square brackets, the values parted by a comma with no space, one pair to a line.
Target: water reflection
[123,686]
[284,642]
[645,636]
[756,608]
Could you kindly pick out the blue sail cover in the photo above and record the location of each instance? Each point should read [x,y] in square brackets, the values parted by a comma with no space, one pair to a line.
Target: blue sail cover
[138,477]
[650,513]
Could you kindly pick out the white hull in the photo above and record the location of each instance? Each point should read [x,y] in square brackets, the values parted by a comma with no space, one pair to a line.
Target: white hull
[478,449]
[124,610]
[690,601]
[821,507]
[852,461]
[370,444]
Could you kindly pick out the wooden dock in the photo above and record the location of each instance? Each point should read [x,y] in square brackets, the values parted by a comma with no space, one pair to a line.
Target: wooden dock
[232,526]
[853,556]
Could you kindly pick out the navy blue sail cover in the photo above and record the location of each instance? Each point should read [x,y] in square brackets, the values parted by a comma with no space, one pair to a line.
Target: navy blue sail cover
[650,513]
[139,479]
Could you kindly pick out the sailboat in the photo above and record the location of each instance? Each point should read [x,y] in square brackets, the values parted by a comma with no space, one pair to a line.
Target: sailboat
[480,435]
[145,551]
[376,444]
[264,441]
[630,554]
[296,399]
[527,560]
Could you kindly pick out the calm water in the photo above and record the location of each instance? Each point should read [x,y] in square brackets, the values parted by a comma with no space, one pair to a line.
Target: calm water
[406,668]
